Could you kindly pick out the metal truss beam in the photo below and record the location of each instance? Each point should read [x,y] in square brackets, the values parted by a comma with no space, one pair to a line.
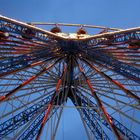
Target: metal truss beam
[96,128]
[11,25]
[100,105]
[93,112]
[104,38]
[128,92]
[50,104]
[91,122]
[19,62]
[12,71]
[75,25]
[25,58]
[20,119]
[122,68]
[5,97]
[117,37]
[33,129]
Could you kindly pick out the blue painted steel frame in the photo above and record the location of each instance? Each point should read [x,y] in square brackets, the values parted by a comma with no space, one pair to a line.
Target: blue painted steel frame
[93,115]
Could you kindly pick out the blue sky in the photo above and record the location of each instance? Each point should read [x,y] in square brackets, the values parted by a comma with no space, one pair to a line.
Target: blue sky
[110,13]
[115,13]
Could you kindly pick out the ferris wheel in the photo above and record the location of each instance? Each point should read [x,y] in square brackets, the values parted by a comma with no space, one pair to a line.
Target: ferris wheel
[42,67]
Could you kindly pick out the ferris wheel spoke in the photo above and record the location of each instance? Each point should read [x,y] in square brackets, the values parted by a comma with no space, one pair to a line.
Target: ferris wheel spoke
[4,97]
[119,101]
[57,123]
[84,123]
[19,65]
[52,75]
[74,100]
[119,67]
[22,52]
[26,126]
[33,129]
[18,41]
[100,105]
[125,131]
[28,94]
[38,87]
[18,47]
[93,125]
[23,117]
[93,111]
[131,104]
[49,108]
[121,112]
[128,92]
[130,85]
[24,67]
[99,92]
[27,104]
[95,128]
